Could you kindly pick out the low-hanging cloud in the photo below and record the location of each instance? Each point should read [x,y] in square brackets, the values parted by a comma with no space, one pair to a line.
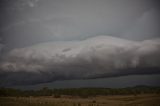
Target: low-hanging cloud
[101,56]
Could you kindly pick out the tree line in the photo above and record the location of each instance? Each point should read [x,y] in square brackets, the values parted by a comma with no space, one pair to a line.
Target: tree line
[81,92]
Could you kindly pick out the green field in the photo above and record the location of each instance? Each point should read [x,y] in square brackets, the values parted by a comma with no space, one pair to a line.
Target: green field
[64,100]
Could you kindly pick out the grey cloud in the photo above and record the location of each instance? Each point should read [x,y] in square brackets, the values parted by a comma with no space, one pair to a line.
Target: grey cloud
[101,56]
[52,20]
[145,27]
[1,46]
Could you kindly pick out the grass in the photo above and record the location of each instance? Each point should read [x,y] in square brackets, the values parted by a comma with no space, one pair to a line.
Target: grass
[118,100]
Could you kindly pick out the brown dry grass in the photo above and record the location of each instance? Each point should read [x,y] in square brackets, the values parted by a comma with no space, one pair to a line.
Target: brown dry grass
[118,100]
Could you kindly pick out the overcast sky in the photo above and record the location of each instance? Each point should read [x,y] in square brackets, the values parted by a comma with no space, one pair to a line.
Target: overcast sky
[42,39]
[35,21]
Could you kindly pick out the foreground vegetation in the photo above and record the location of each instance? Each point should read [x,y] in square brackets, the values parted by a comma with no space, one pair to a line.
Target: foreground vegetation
[112,100]
[131,96]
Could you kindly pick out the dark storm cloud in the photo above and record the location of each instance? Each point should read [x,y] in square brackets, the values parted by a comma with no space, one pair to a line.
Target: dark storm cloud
[102,56]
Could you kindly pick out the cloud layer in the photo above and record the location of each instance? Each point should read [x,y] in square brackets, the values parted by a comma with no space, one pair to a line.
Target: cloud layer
[101,56]
[36,21]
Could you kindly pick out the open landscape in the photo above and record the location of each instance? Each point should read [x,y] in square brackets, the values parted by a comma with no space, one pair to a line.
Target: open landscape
[130,96]
[127,100]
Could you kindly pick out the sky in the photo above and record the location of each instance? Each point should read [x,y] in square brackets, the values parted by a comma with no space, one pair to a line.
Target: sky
[48,41]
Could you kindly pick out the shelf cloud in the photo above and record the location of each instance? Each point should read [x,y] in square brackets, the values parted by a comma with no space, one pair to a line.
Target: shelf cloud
[96,57]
